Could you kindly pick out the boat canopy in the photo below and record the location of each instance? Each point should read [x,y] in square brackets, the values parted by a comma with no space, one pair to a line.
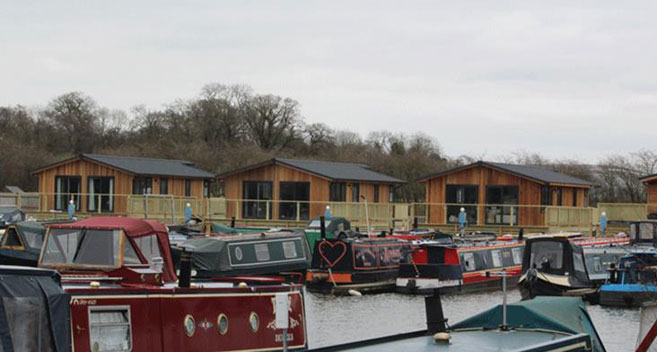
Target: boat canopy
[36,311]
[248,254]
[564,314]
[107,243]
[10,215]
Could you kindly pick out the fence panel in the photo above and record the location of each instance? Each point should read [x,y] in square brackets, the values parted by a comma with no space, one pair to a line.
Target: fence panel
[623,211]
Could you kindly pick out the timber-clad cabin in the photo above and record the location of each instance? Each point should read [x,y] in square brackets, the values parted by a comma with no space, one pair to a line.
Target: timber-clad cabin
[650,182]
[102,183]
[272,188]
[488,191]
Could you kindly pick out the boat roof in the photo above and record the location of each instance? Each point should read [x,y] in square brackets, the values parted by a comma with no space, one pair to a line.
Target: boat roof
[132,227]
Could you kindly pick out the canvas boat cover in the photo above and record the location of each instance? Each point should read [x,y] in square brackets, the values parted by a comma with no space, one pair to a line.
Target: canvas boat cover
[34,311]
[565,314]
[10,215]
[248,254]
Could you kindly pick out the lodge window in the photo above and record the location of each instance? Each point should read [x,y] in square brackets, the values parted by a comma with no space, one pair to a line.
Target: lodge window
[110,328]
[338,192]
[290,193]
[142,185]
[355,192]
[574,197]
[164,186]
[498,199]
[67,188]
[455,195]
[188,188]
[559,193]
[257,195]
[376,194]
[546,195]
[100,194]
[206,188]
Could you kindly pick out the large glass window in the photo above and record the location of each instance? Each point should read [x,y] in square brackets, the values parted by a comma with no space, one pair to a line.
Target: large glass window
[290,193]
[164,186]
[461,194]
[499,199]
[559,194]
[547,256]
[338,192]
[188,188]
[257,195]
[376,194]
[574,197]
[142,185]
[546,195]
[67,188]
[355,192]
[100,189]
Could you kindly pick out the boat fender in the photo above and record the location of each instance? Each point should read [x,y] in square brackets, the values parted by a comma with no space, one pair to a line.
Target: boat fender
[94,284]
[441,337]
[242,285]
[355,293]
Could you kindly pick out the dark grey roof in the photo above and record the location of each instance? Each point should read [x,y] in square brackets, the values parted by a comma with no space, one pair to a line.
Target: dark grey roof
[329,169]
[538,173]
[340,171]
[149,166]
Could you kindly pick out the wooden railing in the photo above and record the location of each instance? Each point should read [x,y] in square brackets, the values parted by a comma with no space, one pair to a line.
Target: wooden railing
[171,209]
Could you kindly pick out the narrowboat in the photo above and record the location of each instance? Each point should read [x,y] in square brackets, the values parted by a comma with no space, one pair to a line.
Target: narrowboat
[633,282]
[126,296]
[643,233]
[363,264]
[568,264]
[538,325]
[464,268]
[282,254]
[22,243]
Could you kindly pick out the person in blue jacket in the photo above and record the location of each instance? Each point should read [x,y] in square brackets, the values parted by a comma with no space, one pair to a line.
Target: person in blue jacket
[463,221]
[71,210]
[603,224]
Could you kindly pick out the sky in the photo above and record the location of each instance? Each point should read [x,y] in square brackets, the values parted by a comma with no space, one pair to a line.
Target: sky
[566,79]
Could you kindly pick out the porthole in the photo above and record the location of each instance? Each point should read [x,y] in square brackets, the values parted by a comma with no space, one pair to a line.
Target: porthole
[190,325]
[222,324]
[254,322]
[238,254]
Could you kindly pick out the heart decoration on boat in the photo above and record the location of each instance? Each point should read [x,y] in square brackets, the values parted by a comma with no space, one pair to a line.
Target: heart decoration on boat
[332,252]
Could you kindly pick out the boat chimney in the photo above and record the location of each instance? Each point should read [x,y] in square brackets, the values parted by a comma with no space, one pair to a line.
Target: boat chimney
[185,269]
[521,234]
[322,227]
[232,222]
[436,321]
[415,223]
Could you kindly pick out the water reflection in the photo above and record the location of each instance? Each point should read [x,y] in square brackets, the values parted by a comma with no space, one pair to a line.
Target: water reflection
[333,320]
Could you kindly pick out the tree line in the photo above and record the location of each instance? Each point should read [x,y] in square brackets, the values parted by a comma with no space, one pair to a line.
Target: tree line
[230,126]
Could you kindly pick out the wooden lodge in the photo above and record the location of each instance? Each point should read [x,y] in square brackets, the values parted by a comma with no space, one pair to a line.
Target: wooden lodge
[103,183]
[650,182]
[287,189]
[501,194]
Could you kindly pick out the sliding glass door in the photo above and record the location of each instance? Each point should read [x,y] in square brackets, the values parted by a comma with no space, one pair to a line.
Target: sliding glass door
[101,194]
[500,201]
[461,194]
[257,195]
[67,188]
[290,193]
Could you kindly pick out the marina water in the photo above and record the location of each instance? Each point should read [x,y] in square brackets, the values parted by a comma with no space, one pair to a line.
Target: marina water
[334,320]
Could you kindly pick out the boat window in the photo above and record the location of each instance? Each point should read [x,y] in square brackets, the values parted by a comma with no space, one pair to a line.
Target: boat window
[547,255]
[497,258]
[130,255]
[110,329]
[262,252]
[365,257]
[149,247]
[33,239]
[390,256]
[468,261]
[11,239]
[578,262]
[61,246]
[91,247]
[646,231]
[517,255]
[597,264]
[289,249]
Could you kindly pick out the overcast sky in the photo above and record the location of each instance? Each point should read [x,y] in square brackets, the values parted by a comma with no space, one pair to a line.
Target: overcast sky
[564,79]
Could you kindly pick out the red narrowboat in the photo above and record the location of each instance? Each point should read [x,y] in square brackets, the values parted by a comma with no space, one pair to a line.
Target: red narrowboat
[464,267]
[126,296]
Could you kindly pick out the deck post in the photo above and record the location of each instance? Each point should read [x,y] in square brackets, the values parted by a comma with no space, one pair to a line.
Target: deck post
[512,214]
[298,211]
[98,204]
[267,206]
